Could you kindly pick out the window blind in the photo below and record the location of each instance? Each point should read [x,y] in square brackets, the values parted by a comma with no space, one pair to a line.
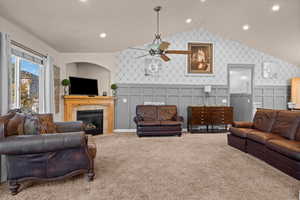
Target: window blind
[27,53]
[27,56]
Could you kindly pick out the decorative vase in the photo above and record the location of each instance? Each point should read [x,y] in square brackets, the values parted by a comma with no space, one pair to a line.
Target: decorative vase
[66,90]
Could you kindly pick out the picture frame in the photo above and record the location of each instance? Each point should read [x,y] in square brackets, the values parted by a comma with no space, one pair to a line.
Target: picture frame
[270,70]
[201,61]
[56,75]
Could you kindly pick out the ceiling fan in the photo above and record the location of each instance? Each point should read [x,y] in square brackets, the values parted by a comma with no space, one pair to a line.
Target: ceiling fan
[159,47]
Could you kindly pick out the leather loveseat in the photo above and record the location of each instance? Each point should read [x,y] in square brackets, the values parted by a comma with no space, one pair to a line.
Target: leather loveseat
[36,148]
[158,120]
[273,136]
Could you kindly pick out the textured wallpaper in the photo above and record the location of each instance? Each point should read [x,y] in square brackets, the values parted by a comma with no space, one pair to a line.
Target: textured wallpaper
[131,70]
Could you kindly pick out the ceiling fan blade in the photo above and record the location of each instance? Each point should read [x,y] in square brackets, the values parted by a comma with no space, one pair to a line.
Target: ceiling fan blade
[164,45]
[140,49]
[165,58]
[178,52]
[142,56]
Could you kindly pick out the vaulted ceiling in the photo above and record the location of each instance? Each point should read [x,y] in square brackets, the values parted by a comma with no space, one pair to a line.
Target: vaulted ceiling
[74,26]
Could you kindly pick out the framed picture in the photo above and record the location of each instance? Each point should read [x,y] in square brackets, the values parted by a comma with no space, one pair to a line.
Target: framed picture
[56,88]
[270,70]
[200,62]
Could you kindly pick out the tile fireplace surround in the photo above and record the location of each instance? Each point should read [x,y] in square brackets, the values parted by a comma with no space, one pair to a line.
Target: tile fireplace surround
[72,104]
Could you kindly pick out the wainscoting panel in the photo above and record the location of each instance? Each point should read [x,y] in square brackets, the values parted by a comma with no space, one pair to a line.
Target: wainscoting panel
[131,95]
[272,97]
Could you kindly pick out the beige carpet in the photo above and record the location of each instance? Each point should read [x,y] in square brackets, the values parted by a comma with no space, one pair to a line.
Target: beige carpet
[193,167]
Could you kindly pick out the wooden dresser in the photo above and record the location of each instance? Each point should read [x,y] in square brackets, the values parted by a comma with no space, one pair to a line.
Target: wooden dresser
[209,116]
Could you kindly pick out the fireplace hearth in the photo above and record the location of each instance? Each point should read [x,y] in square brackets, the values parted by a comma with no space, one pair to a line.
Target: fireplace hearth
[92,120]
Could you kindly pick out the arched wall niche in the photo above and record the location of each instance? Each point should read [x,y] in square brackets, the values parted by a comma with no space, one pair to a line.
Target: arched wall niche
[106,60]
[92,71]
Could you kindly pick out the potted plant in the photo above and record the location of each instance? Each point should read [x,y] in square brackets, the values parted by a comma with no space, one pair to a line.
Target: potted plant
[114,88]
[66,83]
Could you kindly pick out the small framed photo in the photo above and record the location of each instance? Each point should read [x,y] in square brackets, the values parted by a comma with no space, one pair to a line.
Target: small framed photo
[270,70]
[200,62]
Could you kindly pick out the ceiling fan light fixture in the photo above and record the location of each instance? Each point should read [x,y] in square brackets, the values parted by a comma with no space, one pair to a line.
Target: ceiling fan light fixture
[153,46]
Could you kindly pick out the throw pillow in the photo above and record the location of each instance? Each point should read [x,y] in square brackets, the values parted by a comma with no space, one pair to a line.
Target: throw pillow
[46,124]
[15,125]
[31,125]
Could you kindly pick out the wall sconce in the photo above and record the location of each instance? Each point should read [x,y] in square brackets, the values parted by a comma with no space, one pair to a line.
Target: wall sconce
[152,66]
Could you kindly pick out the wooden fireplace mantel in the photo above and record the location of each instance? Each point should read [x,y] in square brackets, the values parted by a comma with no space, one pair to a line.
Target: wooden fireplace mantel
[72,101]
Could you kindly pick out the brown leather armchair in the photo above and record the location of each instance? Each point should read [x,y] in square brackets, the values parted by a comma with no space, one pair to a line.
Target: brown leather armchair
[158,121]
[36,148]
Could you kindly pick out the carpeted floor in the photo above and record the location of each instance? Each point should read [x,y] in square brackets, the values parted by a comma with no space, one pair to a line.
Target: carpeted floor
[192,167]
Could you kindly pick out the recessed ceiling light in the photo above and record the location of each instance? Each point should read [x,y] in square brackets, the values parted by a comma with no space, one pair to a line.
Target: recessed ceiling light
[202,1]
[276,7]
[246,27]
[103,35]
[83,1]
[189,20]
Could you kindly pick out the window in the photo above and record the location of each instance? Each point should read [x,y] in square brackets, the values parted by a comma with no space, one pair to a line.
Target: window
[25,80]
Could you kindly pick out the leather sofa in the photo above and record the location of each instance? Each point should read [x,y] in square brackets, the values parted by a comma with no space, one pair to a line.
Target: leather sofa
[37,149]
[158,121]
[273,136]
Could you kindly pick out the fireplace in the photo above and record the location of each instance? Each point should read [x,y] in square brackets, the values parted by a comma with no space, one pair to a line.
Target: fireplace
[73,104]
[92,120]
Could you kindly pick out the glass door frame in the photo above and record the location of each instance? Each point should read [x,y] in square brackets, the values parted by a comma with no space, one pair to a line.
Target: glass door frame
[242,66]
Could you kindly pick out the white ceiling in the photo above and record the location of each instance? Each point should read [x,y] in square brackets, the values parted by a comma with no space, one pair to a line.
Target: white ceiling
[72,26]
